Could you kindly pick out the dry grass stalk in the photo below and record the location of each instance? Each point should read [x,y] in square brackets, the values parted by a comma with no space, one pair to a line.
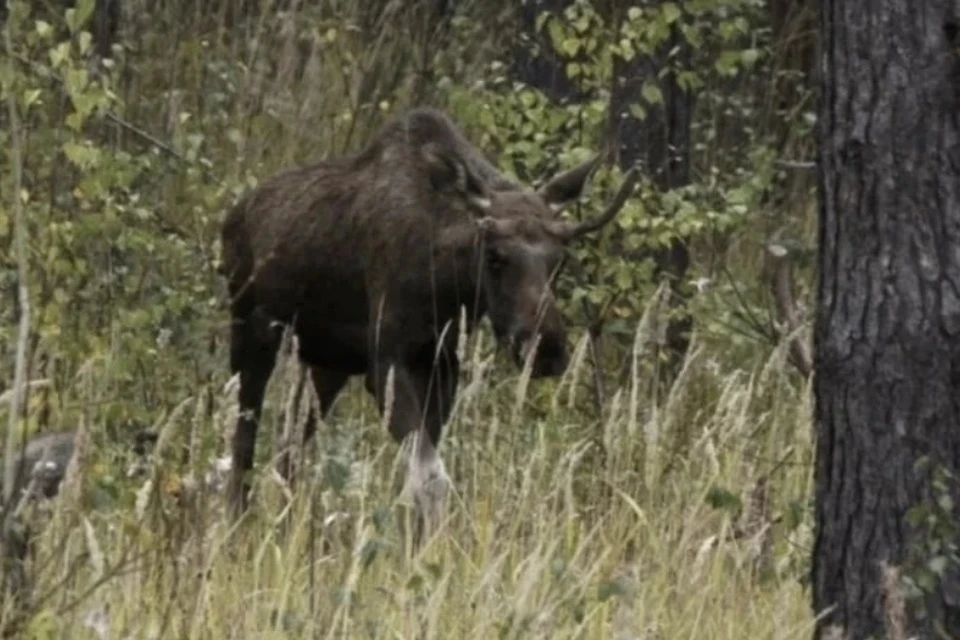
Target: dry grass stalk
[895,616]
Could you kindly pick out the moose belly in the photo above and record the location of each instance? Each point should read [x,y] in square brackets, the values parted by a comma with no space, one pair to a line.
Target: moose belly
[338,347]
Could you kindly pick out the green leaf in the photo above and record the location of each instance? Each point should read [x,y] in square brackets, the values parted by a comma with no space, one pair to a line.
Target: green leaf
[938,565]
[81,155]
[721,498]
[609,589]
[75,80]
[692,34]
[570,46]
[651,93]
[582,24]
[726,64]
[541,18]
[555,30]
[671,12]
[70,17]
[43,29]
[85,40]
[689,80]
[415,582]
[30,96]
[626,49]
[59,54]
[749,56]
[84,9]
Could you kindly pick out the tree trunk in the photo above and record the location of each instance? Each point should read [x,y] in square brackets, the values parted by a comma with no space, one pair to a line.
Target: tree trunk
[887,342]
[794,39]
[661,144]
[534,62]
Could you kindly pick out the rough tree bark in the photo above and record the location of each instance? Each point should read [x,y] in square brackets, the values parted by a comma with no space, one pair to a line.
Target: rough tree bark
[887,341]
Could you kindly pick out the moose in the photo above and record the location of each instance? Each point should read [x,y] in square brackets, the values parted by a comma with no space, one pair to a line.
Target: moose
[369,259]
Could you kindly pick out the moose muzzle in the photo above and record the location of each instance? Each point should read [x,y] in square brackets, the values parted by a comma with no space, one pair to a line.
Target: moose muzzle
[550,358]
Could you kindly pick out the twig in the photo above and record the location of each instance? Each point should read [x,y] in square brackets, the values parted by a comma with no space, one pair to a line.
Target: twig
[747,316]
[800,165]
[134,129]
[23,298]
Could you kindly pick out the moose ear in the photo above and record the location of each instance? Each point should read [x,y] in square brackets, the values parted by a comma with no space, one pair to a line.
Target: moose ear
[567,185]
[449,171]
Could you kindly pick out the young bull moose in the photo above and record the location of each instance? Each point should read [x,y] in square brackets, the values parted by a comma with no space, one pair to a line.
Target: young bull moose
[370,258]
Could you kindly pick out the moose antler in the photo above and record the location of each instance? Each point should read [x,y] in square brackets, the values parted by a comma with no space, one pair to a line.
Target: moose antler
[567,185]
[568,230]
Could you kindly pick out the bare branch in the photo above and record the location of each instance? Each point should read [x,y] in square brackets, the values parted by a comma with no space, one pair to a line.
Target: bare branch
[801,165]
[148,137]
[47,72]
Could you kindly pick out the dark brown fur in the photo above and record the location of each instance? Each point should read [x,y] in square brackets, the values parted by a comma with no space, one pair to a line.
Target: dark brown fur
[370,257]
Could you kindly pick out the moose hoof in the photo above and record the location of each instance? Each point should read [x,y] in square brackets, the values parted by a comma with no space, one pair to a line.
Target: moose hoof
[429,486]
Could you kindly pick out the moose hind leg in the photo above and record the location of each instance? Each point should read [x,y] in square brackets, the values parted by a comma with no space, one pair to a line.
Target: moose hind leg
[440,393]
[253,352]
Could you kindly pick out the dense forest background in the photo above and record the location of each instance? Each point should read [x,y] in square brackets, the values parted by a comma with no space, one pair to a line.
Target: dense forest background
[660,489]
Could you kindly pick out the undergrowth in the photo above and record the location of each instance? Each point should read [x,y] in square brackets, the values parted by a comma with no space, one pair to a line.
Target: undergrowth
[677,519]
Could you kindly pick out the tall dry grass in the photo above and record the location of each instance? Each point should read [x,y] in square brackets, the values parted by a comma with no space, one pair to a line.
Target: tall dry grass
[556,528]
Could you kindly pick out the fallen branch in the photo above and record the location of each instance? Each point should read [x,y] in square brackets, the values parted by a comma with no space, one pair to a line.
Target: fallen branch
[781,285]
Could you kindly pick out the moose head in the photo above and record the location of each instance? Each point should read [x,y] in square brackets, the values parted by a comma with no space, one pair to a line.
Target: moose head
[524,246]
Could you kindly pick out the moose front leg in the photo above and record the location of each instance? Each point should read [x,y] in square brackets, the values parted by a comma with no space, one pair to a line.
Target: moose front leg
[443,377]
[405,389]
[253,353]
